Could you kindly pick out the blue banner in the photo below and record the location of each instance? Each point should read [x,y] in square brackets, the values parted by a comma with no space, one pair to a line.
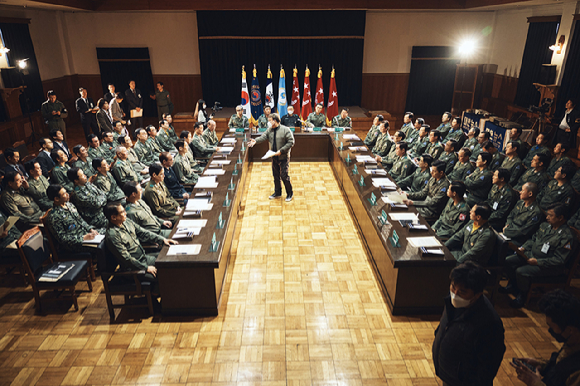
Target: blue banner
[469,121]
[282,103]
[497,135]
[256,99]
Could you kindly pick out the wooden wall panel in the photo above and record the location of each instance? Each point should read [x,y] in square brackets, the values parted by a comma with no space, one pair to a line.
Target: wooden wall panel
[63,87]
[385,92]
[185,90]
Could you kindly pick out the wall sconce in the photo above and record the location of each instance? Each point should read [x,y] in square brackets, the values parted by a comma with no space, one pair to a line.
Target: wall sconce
[558,46]
[4,50]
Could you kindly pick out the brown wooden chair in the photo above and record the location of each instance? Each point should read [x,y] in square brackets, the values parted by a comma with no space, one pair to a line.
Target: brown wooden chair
[37,260]
[495,265]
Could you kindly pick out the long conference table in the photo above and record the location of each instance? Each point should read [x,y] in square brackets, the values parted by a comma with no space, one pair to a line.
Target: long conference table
[411,283]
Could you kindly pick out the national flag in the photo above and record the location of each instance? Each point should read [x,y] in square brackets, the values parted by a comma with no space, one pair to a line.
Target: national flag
[282,104]
[319,97]
[256,99]
[269,101]
[295,102]
[306,97]
[332,107]
[245,95]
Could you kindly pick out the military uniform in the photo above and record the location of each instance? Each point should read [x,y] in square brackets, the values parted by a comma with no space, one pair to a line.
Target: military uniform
[172,134]
[200,147]
[450,159]
[553,193]
[456,135]
[18,203]
[164,104]
[452,220]
[535,150]
[540,178]
[474,245]
[402,168]
[475,152]
[551,247]
[420,146]
[501,202]
[317,120]
[192,162]
[416,181]
[86,167]
[238,123]
[159,200]
[461,171]
[90,201]
[138,166]
[556,163]
[125,243]
[109,187]
[145,153]
[444,128]
[434,149]
[140,213]
[372,136]
[172,183]
[108,151]
[68,227]
[382,145]
[210,137]
[432,198]
[54,121]
[522,222]
[412,136]
[496,161]
[154,146]
[263,121]
[123,172]
[291,120]
[338,121]
[478,186]
[514,166]
[391,158]
[163,140]
[406,128]
[59,177]
[37,189]
[575,220]
[13,235]
[183,170]
[471,143]
[97,152]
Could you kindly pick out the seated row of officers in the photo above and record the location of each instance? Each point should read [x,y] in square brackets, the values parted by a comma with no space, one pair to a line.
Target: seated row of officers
[461,184]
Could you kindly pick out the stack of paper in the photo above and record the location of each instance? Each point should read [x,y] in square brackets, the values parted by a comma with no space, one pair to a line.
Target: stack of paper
[357,148]
[224,150]
[427,242]
[191,249]
[349,137]
[403,216]
[217,162]
[269,154]
[384,182]
[94,242]
[376,172]
[186,233]
[191,223]
[214,172]
[229,140]
[208,182]
[393,197]
[198,205]
[364,158]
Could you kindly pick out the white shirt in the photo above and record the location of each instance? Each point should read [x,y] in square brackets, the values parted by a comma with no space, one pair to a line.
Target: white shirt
[201,117]
[564,123]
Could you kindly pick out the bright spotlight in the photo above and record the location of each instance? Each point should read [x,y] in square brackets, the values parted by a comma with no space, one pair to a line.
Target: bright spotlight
[22,64]
[467,48]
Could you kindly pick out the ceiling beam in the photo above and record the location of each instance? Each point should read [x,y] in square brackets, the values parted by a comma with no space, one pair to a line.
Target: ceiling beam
[86,5]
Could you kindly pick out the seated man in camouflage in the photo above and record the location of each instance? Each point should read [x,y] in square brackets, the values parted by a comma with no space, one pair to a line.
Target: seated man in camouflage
[559,159]
[525,218]
[536,173]
[420,177]
[140,168]
[66,225]
[449,156]
[108,146]
[316,118]
[37,184]
[476,241]
[445,125]
[512,163]
[383,142]
[122,168]
[123,239]
[483,137]
[239,120]
[546,254]
[162,138]
[435,148]
[61,167]
[501,199]
[539,148]
[16,201]
[95,150]
[88,199]
[373,131]
[462,167]
[171,130]
[144,152]
[263,119]
[559,189]
[186,136]
[480,181]
[456,132]
[413,133]
[456,213]
[158,197]
[497,157]
[419,146]
[106,182]
[181,166]
[152,140]
[140,213]
[472,139]
[83,162]
[8,238]
[403,166]
[342,119]
[200,148]
[431,200]
[392,157]
[209,133]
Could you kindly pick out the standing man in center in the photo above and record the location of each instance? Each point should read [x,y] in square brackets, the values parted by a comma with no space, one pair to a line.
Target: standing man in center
[281,141]
[135,102]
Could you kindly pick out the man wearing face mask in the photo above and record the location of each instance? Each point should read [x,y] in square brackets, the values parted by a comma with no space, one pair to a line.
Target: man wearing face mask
[469,342]
[562,312]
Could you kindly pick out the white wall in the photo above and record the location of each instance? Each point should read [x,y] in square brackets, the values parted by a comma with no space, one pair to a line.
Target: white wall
[390,36]
[170,36]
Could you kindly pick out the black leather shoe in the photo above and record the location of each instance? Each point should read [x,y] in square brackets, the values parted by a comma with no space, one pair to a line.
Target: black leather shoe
[508,289]
[273,196]
[518,302]
[289,198]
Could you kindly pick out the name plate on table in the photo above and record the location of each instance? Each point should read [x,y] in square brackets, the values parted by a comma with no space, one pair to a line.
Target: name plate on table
[317,129]
[338,129]
[355,169]
[292,129]
[261,129]
[220,222]
[383,217]
[240,130]
[373,199]
[362,181]
[214,244]
[394,239]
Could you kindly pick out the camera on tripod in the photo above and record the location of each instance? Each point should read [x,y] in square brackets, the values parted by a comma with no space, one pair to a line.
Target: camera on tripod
[544,107]
[217,106]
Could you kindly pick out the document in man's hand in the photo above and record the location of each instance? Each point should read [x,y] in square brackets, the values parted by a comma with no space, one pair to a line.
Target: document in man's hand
[136,114]
[9,223]
[269,154]
[94,242]
[187,249]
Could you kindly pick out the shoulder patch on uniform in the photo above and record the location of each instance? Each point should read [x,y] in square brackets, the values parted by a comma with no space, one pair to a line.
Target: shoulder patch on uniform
[482,178]
[462,217]
[443,189]
[567,246]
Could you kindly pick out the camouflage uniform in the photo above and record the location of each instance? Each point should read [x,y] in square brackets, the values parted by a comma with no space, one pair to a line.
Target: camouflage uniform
[522,222]
[159,200]
[145,153]
[183,170]
[501,202]
[123,172]
[450,159]
[108,151]
[154,146]
[403,168]
[136,163]
[37,189]
[68,227]
[140,213]
[452,219]
[54,121]
[338,121]
[210,137]
[556,163]
[444,128]
[59,177]
[238,123]
[432,198]
[474,245]
[86,167]
[456,135]
[471,143]
[416,181]
[478,186]
[496,161]
[406,128]
[461,171]
[163,140]
[535,150]
[318,120]
[514,166]
[420,146]
[200,148]
[89,201]
[382,145]
[540,178]
[435,149]
[553,193]
[96,152]
[372,136]
[109,187]
[18,203]
[192,162]
[263,121]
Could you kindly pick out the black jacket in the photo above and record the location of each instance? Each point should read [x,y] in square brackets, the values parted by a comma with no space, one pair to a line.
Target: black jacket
[62,146]
[469,344]
[46,163]
[108,97]
[82,108]
[172,183]
[573,120]
[105,124]
[134,100]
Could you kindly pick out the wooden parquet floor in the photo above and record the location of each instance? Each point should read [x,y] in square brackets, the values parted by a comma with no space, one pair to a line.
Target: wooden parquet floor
[301,307]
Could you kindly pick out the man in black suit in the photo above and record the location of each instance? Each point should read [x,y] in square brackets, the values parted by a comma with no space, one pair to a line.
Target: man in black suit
[568,126]
[104,118]
[59,143]
[87,109]
[134,102]
[111,94]
[43,157]
[12,157]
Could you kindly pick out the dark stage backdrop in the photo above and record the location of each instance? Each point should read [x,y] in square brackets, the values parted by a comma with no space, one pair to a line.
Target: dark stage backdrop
[230,39]
[431,80]
[571,78]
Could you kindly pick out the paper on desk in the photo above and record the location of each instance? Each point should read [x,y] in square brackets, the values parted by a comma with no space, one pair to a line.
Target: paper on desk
[206,182]
[229,140]
[198,205]
[220,162]
[269,154]
[350,137]
[378,182]
[357,148]
[403,216]
[224,150]
[426,242]
[395,197]
[214,172]
[191,223]
[186,249]
[364,158]
[376,172]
